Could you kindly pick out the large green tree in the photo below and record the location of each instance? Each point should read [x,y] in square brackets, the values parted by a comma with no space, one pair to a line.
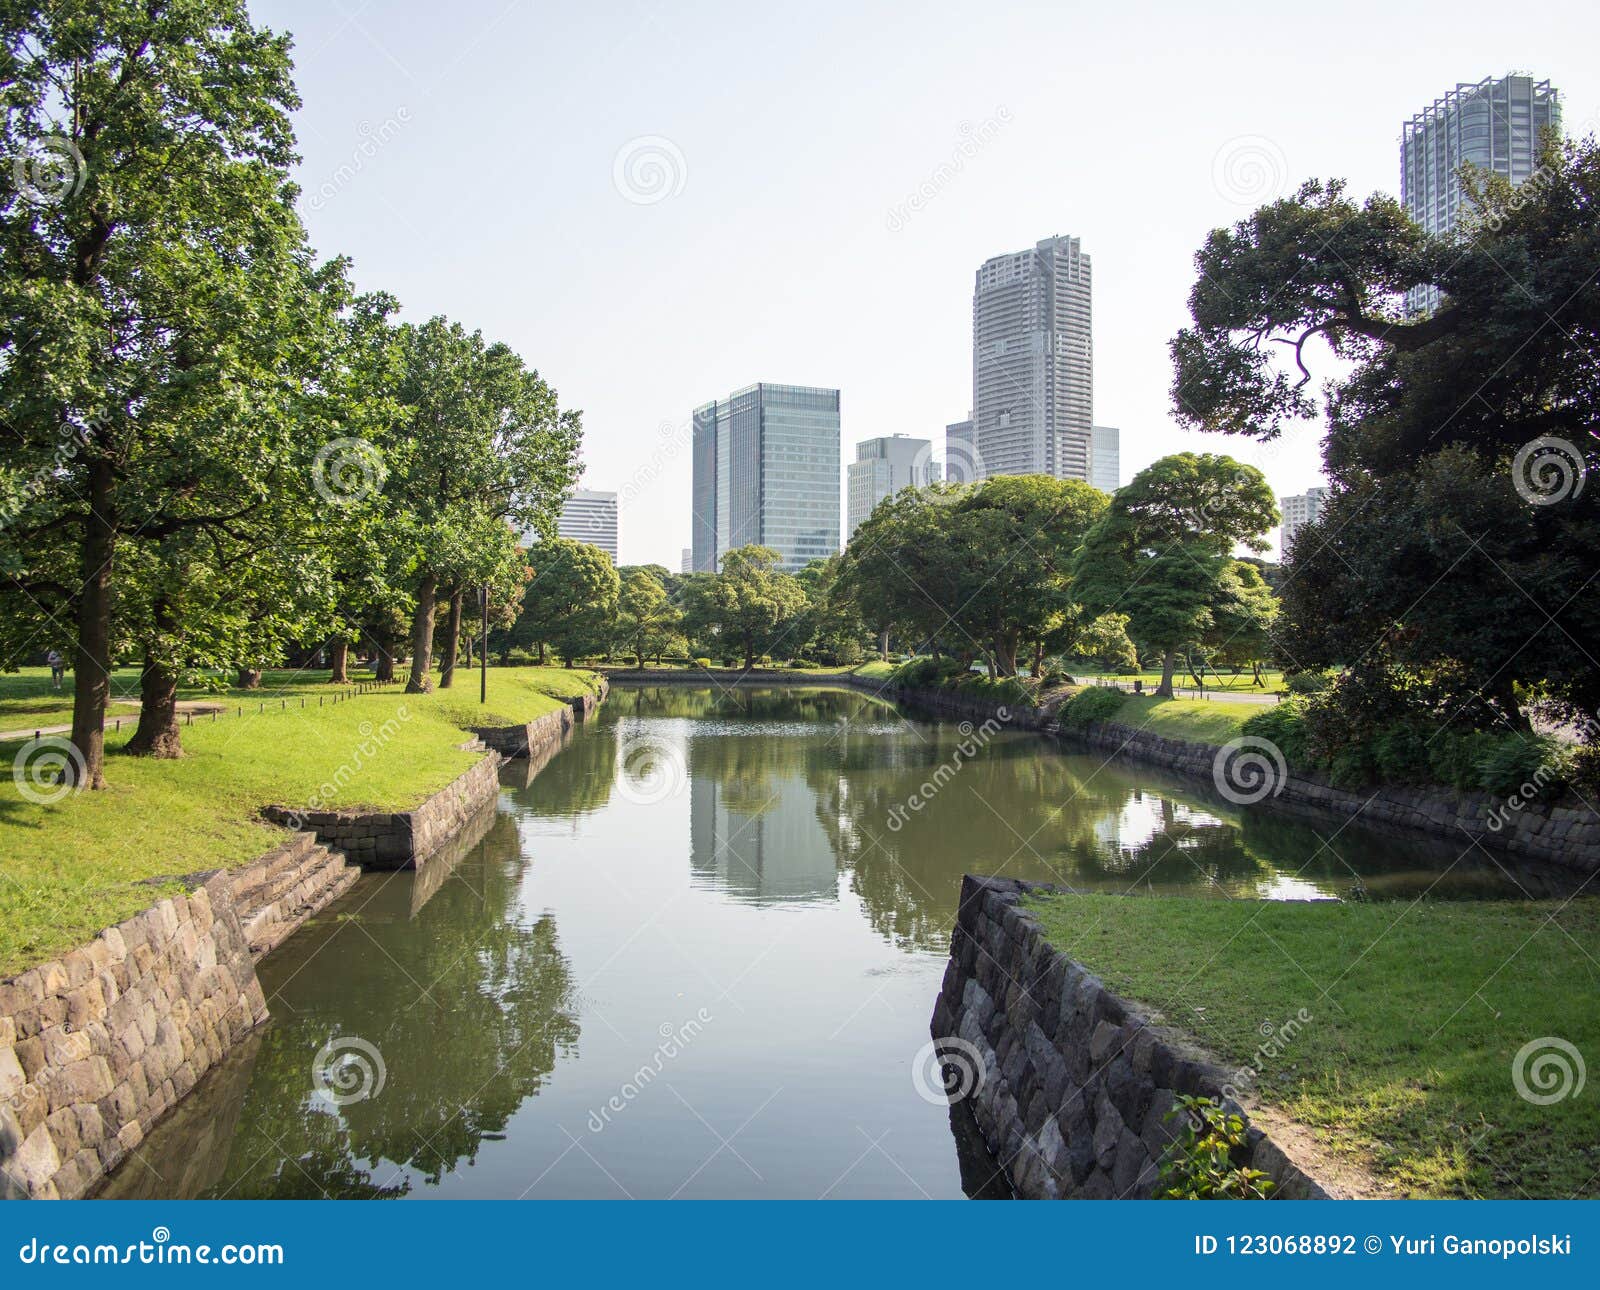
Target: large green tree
[570,603]
[754,601]
[1162,553]
[1460,447]
[156,308]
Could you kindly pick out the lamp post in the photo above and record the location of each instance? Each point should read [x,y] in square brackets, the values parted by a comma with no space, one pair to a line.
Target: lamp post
[483,651]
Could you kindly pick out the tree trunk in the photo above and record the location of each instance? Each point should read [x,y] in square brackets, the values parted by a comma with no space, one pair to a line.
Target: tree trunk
[383,665]
[883,645]
[1169,661]
[157,735]
[1038,658]
[339,661]
[421,682]
[249,678]
[452,641]
[1005,653]
[541,654]
[750,652]
[91,678]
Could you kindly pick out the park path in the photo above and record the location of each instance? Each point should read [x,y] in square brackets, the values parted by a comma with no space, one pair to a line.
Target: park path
[33,732]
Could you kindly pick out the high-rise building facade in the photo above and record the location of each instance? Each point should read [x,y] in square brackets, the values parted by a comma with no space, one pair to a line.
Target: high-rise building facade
[686,565]
[1495,125]
[591,517]
[1298,511]
[1033,362]
[1105,469]
[766,470]
[881,469]
[961,464]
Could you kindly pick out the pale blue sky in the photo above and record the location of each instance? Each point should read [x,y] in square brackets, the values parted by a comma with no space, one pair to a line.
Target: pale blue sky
[465,156]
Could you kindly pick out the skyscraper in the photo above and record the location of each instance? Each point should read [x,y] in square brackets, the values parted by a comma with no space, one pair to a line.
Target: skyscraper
[1105,472]
[1298,511]
[961,463]
[1493,124]
[686,565]
[591,517]
[766,469]
[882,468]
[1033,362]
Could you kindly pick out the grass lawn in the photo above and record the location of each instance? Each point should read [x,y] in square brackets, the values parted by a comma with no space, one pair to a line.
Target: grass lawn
[74,866]
[1198,720]
[1418,1012]
[1243,683]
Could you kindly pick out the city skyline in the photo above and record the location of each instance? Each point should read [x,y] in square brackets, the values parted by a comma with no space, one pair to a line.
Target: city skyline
[864,231]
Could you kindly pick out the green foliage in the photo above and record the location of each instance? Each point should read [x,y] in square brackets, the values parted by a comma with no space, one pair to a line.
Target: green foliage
[1284,725]
[1204,1162]
[1307,682]
[750,603]
[571,600]
[1093,703]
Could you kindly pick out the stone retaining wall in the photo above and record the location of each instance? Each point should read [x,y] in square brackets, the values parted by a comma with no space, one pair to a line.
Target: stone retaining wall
[96,1047]
[525,741]
[1072,1083]
[403,839]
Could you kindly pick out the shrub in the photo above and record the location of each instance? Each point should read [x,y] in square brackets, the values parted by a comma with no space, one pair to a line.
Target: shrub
[1093,703]
[1525,767]
[1400,753]
[702,662]
[1283,725]
[1453,757]
[1307,682]
[1205,1161]
[804,665]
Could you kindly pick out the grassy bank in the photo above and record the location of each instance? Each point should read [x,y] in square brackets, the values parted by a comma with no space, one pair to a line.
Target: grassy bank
[1418,1012]
[73,866]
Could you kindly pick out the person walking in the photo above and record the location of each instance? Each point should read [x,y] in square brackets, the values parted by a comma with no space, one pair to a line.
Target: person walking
[58,668]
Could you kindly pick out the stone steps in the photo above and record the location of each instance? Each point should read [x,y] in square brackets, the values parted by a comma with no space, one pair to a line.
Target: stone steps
[294,895]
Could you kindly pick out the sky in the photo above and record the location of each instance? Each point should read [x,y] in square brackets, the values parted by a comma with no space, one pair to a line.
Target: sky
[657,204]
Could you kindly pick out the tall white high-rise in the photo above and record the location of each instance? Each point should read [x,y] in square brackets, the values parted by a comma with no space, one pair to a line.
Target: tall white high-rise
[1105,471]
[1298,511]
[1033,362]
[1495,125]
[881,469]
[591,517]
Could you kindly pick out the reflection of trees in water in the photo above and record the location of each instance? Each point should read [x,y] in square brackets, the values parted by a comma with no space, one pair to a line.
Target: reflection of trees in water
[460,1058]
[574,778]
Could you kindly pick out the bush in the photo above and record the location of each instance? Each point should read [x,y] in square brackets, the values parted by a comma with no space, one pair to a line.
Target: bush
[1283,725]
[1516,765]
[1307,682]
[804,665]
[702,662]
[1093,703]
[1205,1161]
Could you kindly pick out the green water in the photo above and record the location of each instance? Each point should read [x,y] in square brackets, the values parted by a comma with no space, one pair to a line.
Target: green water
[696,954]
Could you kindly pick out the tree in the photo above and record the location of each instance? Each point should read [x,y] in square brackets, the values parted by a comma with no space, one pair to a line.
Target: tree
[1242,619]
[753,600]
[1161,551]
[152,307]
[1457,527]
[646,619]
[571,599]
[486,446]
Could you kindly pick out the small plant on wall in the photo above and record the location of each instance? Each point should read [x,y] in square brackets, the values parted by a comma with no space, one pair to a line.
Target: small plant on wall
[1203,1163]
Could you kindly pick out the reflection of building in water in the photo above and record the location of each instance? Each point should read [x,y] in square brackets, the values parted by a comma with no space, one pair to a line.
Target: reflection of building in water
[761,846]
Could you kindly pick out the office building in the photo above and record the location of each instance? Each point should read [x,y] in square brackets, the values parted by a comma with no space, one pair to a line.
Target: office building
[1298,511]
[881,469]
[686,564]
[1105,464]
[1495,125]
[961,463]
[1033,362]
[766,470]
[591,517]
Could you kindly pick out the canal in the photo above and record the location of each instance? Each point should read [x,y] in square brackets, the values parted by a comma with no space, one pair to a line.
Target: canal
[695,955]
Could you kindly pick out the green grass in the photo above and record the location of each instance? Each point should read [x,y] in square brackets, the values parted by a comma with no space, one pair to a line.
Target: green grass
[72,867]
[1417,1013]
[1243,683]
[876,670]
[1197,720]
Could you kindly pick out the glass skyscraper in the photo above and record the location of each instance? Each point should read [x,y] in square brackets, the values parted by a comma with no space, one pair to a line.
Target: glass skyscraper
[1494,125]
[766,470]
